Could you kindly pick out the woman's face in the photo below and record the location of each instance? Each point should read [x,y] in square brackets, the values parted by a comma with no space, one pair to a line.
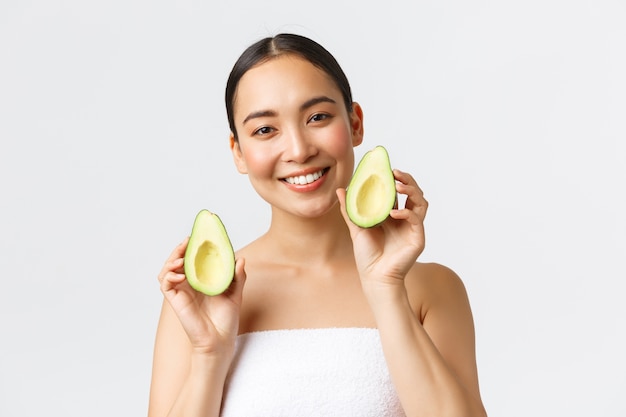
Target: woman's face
[296,137]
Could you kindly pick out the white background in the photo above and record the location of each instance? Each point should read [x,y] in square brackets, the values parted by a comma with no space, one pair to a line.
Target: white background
[113,134]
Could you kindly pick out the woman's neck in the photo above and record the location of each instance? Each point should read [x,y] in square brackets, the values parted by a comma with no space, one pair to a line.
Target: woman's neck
[306,240]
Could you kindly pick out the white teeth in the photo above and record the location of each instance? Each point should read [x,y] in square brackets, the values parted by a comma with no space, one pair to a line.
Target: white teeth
[305,179]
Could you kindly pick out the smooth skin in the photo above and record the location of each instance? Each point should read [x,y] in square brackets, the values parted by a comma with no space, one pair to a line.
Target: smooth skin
[313,268]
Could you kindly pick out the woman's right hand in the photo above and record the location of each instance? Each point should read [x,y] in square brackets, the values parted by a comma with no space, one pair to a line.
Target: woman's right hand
[211,322]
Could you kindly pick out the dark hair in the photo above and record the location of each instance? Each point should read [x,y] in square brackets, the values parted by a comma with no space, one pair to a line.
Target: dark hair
[281,44]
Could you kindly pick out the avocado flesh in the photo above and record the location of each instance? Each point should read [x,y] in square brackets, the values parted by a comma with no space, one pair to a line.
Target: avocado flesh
[371,193]
[209,259]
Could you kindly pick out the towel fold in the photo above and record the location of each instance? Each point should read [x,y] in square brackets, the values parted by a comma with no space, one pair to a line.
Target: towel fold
[310,372]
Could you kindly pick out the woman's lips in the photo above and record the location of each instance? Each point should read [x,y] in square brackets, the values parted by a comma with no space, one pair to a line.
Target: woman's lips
[306,182]
[305,179]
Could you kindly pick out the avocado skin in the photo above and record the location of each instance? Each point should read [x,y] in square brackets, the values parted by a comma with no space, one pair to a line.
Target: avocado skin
[209,251]
[371,193]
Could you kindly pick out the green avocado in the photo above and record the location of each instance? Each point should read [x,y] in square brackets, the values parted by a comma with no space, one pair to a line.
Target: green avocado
[209,258]
[371,193]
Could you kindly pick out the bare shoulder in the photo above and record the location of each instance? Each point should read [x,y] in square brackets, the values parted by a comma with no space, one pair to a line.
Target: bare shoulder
[435,286]
[250,250]
[438,295]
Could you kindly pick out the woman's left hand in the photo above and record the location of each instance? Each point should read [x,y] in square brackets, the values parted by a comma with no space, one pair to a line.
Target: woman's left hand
[385,253]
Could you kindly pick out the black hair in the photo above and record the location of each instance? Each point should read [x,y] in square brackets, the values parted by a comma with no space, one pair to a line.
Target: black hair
[282,44]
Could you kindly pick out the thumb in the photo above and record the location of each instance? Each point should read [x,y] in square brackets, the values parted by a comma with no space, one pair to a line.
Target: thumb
[341,196]
[236,287]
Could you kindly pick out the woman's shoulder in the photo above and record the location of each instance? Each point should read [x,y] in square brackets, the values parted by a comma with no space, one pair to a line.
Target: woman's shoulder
[432,285]
[251,249]
[433,276]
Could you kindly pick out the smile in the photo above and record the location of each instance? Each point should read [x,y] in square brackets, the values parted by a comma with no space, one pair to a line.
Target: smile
[306,179]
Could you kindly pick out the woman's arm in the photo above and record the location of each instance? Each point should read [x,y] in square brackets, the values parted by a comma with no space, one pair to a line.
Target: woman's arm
[432,363]
[183,382]
[195,343]
[430,353]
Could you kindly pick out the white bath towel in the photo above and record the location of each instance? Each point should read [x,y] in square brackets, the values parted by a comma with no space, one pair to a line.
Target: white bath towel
[310,372]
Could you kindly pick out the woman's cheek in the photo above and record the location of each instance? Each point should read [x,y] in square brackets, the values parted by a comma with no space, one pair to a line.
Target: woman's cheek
[341,145]
[258,161]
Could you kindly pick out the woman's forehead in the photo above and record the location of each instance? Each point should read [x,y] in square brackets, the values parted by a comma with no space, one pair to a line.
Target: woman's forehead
[286,79]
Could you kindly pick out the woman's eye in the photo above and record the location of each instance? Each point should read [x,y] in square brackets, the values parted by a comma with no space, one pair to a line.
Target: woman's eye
[318,117]
[263,130]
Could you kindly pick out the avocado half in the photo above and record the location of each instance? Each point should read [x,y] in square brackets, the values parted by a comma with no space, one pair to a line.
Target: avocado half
[209,259]
[371,193]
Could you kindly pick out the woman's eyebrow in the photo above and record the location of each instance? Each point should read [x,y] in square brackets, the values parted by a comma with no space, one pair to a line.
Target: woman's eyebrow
[260,113]
[316,100]
[271,113]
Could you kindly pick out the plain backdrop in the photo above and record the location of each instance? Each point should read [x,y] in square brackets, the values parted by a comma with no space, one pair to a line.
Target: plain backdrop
[113,134]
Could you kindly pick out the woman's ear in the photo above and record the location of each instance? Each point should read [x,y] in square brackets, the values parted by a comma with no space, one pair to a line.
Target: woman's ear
[237,155]
[356,124]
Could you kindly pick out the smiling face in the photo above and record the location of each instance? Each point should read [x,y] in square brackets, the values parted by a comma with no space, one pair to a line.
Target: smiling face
[295,135]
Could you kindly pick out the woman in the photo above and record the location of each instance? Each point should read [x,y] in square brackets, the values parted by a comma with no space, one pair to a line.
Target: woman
[322,317]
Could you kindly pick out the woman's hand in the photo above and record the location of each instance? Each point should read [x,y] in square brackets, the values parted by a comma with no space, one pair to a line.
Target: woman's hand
[211,322]
[386,252]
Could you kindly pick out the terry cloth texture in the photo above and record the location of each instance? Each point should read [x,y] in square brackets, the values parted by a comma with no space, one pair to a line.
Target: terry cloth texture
[310,373]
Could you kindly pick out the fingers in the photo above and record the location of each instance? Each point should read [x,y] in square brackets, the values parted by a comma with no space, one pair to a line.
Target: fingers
[175,260]
[179,250]
[170,281]
[172,272]
[416,205]
[407,184]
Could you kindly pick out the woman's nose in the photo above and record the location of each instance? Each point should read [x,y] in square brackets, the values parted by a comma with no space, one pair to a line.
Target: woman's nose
[298,147]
